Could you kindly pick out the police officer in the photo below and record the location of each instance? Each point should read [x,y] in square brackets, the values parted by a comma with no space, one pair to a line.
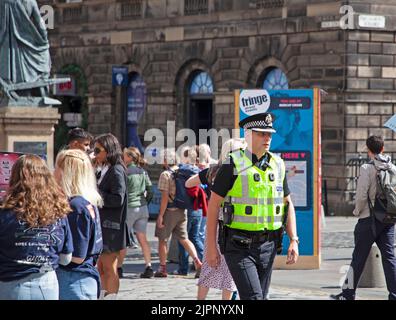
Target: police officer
[253,193]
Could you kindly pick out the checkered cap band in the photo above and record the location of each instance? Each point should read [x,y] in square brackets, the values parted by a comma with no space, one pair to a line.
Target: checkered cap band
[257,124]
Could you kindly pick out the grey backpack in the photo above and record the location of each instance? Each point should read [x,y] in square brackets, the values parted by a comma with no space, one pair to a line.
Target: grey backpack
[385,201]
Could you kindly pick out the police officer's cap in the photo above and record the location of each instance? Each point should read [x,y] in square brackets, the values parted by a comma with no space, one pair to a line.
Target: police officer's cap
[259,122]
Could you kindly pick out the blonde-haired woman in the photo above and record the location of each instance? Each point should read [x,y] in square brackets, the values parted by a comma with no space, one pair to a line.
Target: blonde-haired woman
[219,278]
[34,233]
[80,279]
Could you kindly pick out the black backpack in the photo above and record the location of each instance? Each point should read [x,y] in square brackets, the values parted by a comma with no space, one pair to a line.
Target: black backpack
[384,208]
[182,200]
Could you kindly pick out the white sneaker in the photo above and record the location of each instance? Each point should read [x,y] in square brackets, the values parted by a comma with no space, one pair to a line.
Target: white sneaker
[111,296]
[102,294]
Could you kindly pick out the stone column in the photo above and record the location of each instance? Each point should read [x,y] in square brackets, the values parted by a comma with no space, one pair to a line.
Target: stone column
[29,130]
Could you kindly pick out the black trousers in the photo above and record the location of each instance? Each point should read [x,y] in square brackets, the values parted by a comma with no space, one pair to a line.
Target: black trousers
[364,239]
[250,267]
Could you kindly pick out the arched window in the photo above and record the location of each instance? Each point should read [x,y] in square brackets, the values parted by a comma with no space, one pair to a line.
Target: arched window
[200,104]
[201,84]
[275,79]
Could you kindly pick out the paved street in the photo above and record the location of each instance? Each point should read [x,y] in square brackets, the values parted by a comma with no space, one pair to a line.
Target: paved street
[337,246]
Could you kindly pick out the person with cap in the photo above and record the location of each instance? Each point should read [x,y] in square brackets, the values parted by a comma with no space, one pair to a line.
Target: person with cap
[252,191]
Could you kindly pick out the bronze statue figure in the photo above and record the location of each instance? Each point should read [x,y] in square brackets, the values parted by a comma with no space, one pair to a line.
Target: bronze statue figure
[24,55]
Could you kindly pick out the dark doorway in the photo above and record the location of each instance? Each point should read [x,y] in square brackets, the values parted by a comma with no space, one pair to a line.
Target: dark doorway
[201,116]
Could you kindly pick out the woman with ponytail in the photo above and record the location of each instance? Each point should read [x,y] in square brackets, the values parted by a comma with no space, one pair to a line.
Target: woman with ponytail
[139,195]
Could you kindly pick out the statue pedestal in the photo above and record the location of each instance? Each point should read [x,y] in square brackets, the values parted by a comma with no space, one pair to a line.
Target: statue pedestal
[29,130]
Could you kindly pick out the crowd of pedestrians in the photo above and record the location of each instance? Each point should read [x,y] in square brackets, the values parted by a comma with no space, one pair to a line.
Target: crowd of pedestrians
[69,230]
[65,234]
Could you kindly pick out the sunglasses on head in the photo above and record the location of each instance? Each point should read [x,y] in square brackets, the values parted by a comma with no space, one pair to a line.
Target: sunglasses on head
[97,150]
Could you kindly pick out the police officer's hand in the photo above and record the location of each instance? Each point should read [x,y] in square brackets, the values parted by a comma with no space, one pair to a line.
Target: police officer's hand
[160,223]
[213,256]
[292,253]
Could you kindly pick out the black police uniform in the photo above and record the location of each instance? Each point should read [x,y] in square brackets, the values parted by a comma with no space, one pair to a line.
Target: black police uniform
[250,262]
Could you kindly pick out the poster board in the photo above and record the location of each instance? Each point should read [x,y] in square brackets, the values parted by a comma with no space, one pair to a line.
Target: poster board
[7,160]
[297,141]
[32,147]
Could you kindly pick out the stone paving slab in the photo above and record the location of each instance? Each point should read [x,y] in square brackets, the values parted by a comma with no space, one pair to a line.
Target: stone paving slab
[337,246]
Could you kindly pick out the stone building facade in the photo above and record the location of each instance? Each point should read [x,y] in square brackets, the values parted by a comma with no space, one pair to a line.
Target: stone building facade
[236,42]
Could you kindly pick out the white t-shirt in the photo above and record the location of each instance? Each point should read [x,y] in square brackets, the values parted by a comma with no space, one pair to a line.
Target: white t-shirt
[102,171]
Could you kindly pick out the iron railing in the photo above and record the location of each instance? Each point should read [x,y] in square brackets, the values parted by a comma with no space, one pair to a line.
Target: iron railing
[131,9]
[260,4]
[195,7]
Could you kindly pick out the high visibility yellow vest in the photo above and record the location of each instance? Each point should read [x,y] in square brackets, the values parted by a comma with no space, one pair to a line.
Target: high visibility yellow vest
[257,196]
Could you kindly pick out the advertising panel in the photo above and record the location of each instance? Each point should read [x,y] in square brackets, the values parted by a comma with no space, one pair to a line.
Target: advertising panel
[296,115]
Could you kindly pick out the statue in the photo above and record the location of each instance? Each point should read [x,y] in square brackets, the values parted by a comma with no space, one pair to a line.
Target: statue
[24,55]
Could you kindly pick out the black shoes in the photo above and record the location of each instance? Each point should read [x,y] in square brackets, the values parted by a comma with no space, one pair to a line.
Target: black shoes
[120,273]
[148,273]
[340,296]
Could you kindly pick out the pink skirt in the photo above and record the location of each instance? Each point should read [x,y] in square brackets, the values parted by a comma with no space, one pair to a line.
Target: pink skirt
[217,278]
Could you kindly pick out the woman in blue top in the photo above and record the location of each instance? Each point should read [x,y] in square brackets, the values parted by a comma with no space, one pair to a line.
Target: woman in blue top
[34,233]
[80,279]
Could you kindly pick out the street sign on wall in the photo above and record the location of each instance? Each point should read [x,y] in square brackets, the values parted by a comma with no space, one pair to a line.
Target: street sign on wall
[120,76]
[66,88]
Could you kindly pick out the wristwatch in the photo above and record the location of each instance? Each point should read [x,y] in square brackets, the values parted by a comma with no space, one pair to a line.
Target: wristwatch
[295,238]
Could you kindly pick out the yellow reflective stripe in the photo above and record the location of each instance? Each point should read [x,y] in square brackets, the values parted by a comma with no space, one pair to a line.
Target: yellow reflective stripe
[255,201]
[237,154]
[278,218]
[248,219]
[242,168]
[245,186]
[242,172]
[275,201]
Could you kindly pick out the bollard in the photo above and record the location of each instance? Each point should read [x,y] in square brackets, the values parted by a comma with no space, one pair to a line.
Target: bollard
[373,273]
